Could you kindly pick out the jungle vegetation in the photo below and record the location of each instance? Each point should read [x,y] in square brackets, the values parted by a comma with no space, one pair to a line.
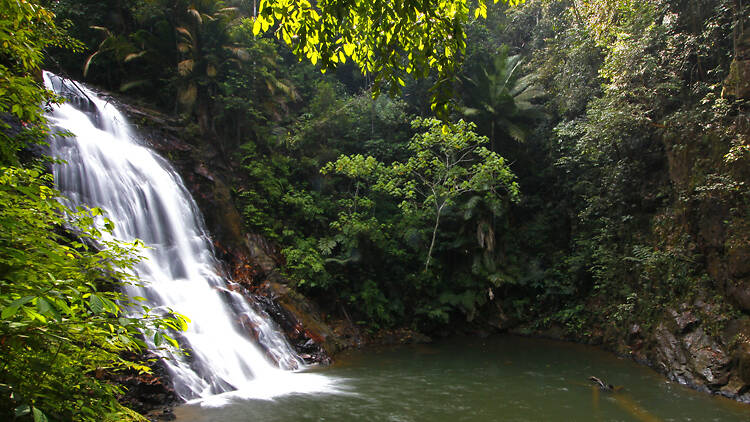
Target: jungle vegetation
[553,162]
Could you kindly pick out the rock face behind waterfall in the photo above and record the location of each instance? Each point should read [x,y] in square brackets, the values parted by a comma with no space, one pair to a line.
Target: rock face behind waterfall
[249,258]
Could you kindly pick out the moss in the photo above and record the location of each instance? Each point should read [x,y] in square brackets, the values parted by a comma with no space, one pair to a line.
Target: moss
[123,414]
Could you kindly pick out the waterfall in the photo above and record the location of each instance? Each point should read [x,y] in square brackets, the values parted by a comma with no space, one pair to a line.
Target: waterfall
[106,166]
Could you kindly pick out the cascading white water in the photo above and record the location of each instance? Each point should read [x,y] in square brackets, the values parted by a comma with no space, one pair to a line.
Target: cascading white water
[106,167]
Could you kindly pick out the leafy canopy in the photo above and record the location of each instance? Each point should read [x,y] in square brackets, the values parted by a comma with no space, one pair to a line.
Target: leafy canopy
[447,161]
[389,39]
[25,30]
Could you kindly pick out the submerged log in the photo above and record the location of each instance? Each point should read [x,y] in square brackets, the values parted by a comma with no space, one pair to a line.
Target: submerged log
[621,399]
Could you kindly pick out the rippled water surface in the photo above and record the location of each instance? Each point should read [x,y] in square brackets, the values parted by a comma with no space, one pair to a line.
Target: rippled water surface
[469,379]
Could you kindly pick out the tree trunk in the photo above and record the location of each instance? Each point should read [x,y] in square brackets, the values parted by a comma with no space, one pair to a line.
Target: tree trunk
[434,235]
[492,136]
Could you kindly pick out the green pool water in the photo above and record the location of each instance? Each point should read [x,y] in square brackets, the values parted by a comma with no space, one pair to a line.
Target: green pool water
[469,379]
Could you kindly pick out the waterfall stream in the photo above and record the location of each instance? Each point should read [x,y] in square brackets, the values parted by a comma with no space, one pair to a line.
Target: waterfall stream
[106,166]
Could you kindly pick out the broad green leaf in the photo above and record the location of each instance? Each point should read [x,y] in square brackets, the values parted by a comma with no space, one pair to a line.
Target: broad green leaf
[22,301]
[8,312]
[22,410]
[158,339]
[110,306]
[171,341]
[39,416]
[46,308]
[96,304]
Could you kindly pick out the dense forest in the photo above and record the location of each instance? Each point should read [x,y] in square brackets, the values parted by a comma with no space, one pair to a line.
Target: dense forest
[576,168]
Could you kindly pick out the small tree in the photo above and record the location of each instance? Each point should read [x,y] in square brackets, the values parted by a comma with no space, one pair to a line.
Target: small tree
[448,161]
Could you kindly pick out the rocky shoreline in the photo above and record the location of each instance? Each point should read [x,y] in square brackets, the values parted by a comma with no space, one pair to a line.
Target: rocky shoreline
[681,346]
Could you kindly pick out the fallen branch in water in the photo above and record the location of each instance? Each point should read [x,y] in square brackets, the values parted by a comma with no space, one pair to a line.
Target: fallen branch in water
[602,385]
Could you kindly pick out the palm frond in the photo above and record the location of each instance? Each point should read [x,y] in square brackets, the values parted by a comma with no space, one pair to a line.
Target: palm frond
[516,132]
[106,31]
[184,32]
[188,95]
[133,56]
[87,64]
[195,15]
[469,111]
[512,66]
[132,84]
[239,52]
[185,67]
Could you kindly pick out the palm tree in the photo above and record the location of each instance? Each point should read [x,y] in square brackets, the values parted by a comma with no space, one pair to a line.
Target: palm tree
[255,96]
[197,43]
[205,45]
[500,100]
[143,48]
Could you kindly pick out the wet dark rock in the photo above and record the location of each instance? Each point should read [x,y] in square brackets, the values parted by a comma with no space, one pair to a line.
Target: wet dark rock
[634,331]
[261,252]
[399,336]
[688,354]
[707,358]
[685,320]
[161,415]
[554,332]
[743,362]
[203,171]
[738,260]
[146,393]
[738,292]
[301,321]
[670,358]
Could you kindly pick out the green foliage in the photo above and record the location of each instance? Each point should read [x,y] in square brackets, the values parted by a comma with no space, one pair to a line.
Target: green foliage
[500,99]
[447,169]
[332,241]
[448,162]
[205,50]
[62,323]
[389,39]
[629,153]
[635,157]
[255,96]
[25,30]
[567,59]
[192,46]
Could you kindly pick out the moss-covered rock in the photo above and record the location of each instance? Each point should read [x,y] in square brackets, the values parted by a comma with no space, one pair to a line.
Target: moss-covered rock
[737,83]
